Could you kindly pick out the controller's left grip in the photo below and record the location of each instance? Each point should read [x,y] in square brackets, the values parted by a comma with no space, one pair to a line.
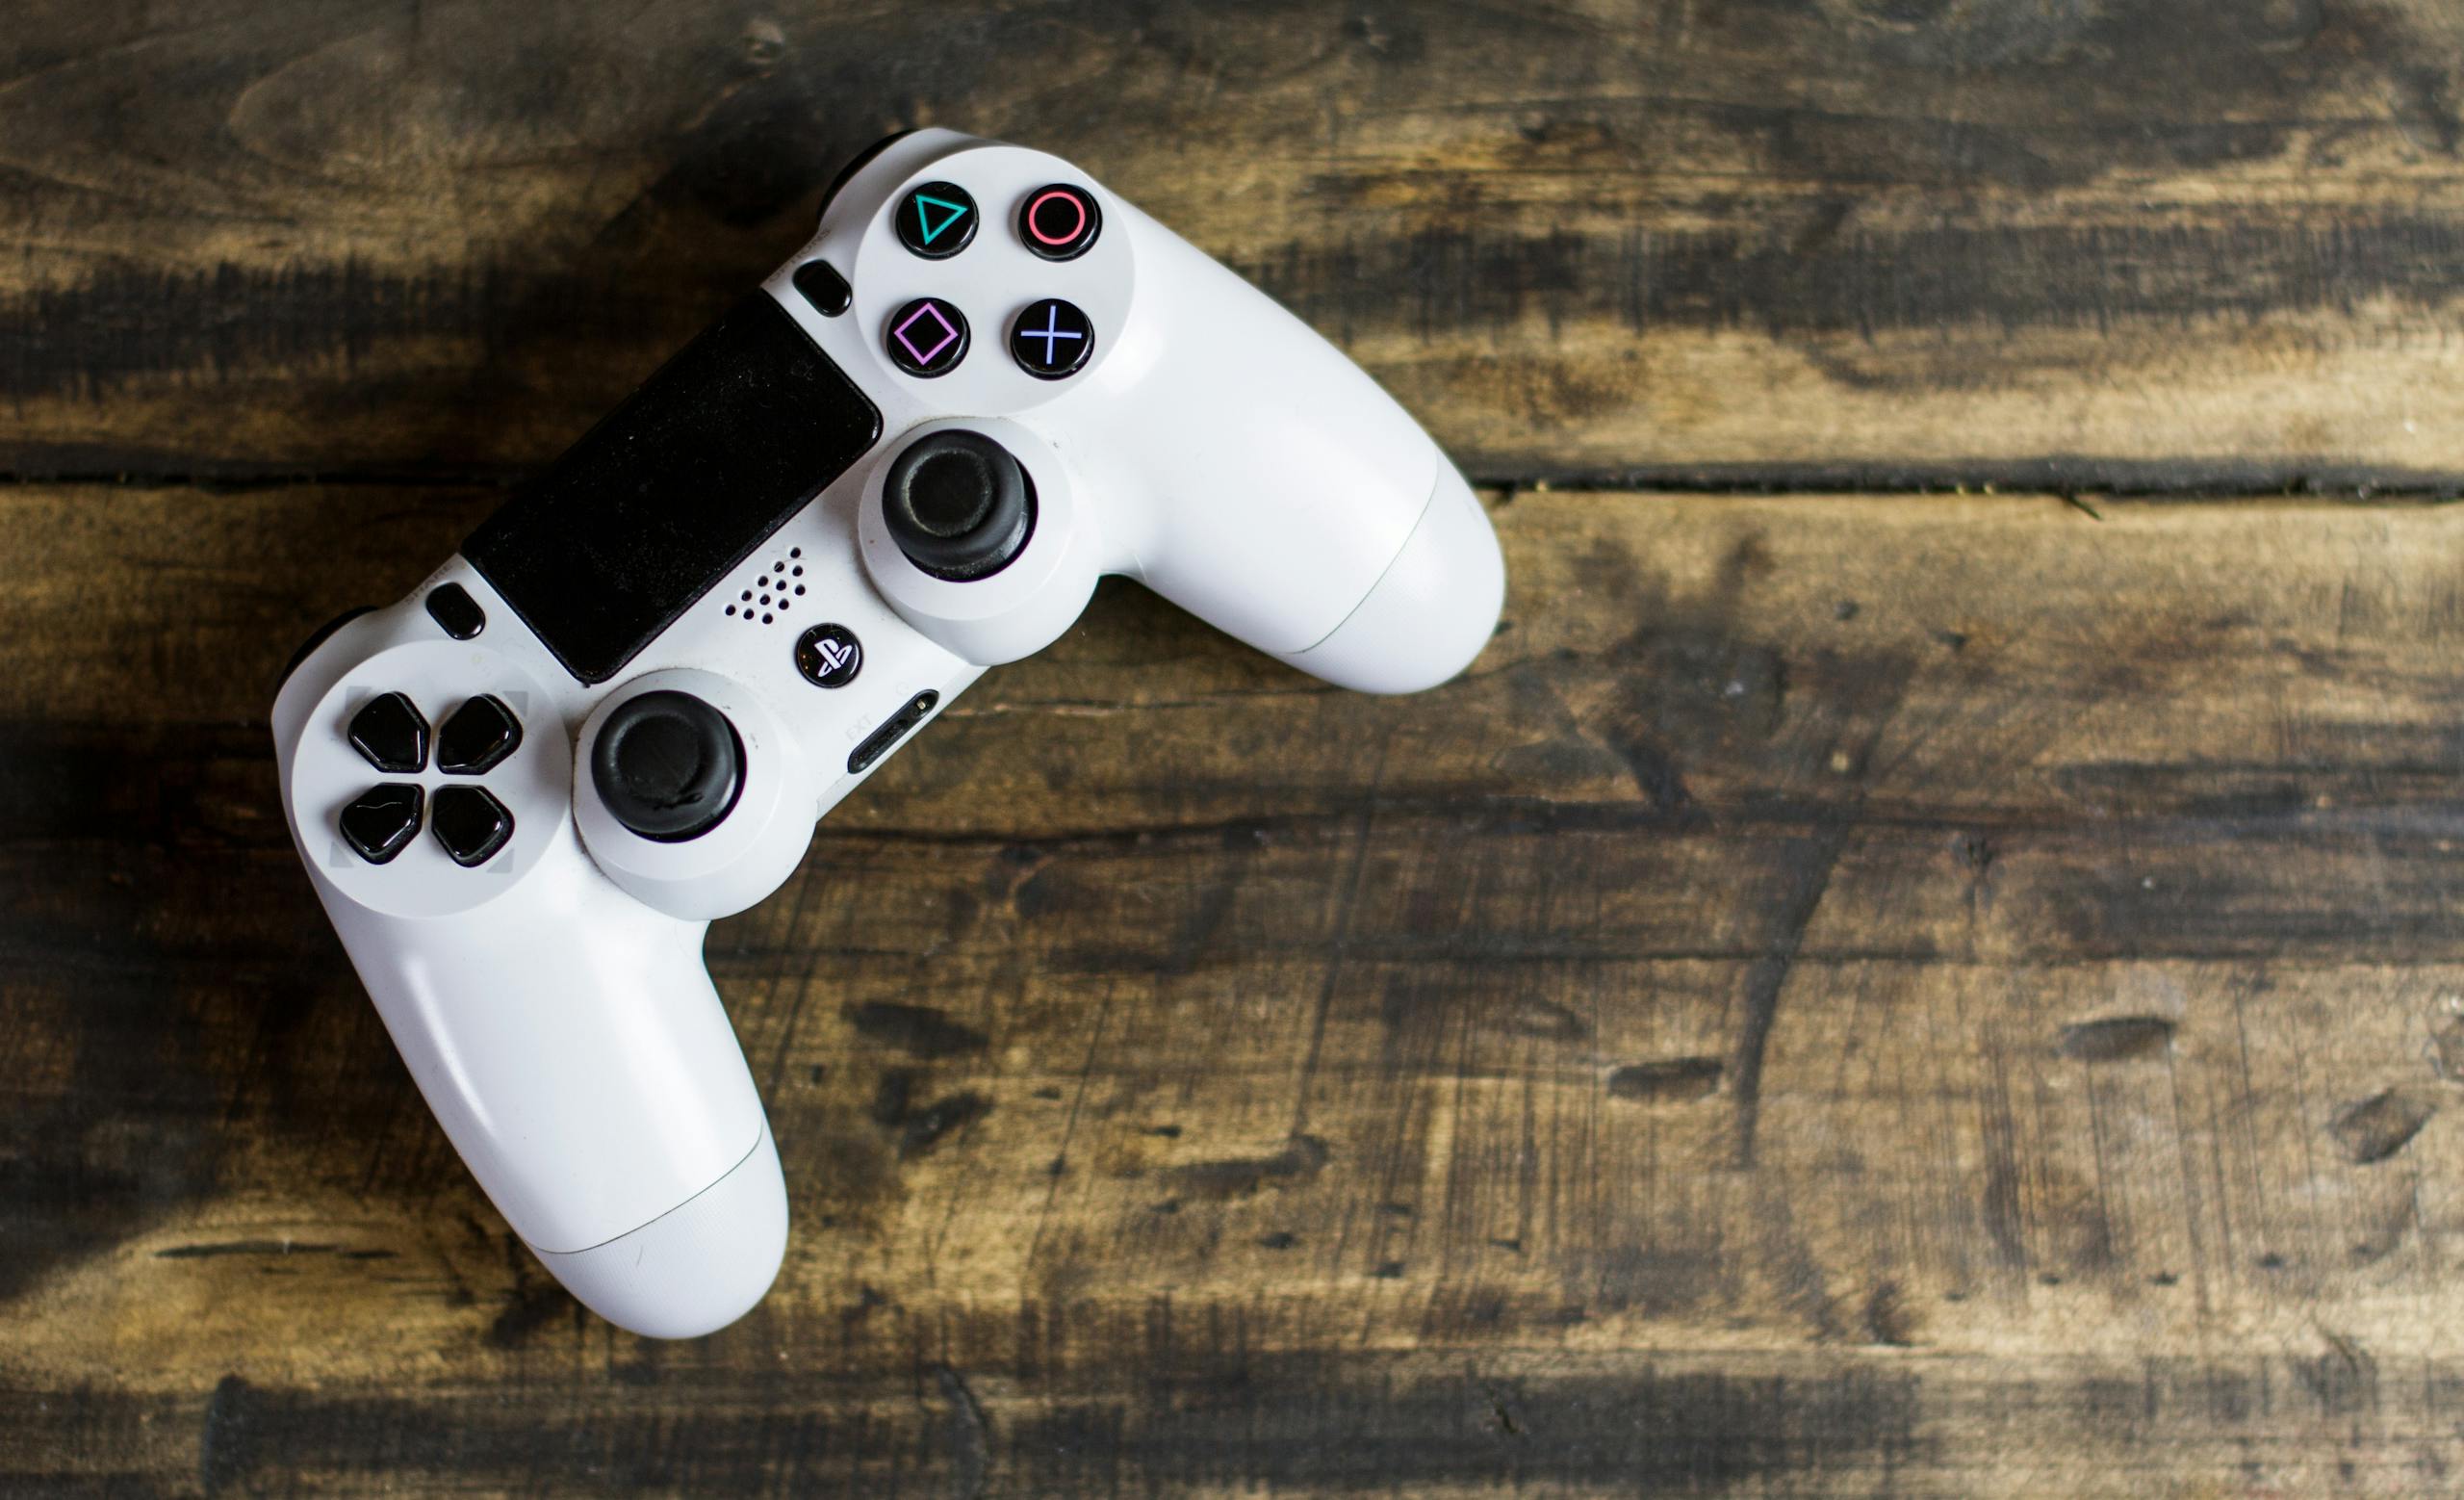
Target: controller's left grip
[696,1268]
[574,1049]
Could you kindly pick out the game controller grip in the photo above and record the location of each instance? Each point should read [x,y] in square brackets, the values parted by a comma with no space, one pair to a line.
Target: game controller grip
[574,1049]
[1432,609]
[1264,482]
[696,1268]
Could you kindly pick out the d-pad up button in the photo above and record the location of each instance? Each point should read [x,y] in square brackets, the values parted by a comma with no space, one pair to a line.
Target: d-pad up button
[382,820]
[390,734]
[471,824]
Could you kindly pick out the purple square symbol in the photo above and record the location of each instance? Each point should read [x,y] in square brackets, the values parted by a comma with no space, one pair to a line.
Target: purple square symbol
[949,333]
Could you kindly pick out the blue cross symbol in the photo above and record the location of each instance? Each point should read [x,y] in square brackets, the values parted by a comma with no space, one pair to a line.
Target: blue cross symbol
[1051,332]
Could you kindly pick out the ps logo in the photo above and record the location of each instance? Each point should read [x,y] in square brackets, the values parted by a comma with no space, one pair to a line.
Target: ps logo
[829,656]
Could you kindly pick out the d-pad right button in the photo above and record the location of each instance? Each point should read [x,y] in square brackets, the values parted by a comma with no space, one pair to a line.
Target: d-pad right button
[478,737]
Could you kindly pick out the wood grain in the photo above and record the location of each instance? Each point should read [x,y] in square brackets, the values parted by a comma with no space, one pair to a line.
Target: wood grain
[1850,997]
[1872,243]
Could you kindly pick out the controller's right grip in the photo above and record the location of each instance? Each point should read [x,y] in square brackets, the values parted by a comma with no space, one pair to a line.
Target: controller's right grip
[1259,479]
[1430,613]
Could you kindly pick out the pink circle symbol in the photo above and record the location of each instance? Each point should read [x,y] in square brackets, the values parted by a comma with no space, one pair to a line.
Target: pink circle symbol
[1035,216]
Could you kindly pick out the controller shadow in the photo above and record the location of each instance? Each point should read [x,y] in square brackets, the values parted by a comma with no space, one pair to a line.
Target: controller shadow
[211,1039]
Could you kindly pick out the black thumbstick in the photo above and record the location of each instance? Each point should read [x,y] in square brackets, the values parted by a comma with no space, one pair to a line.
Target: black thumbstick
[668,765]
[958,504]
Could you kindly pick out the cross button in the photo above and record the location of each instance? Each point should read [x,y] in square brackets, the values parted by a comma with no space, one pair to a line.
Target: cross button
[1052,339]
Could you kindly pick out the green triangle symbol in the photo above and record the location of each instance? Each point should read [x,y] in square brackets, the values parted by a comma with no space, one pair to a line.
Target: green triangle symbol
[924,219]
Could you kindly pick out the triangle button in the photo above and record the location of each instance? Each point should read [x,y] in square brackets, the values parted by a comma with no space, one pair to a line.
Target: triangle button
[930,226]
[937,220]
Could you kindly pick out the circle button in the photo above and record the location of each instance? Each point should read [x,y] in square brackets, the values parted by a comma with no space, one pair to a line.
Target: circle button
[937,220]
[1052,339]
[1060,222]
[829,656]
[926,337]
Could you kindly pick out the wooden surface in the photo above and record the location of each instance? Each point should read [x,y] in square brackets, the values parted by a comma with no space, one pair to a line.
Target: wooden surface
[1859,992]
[1818,242]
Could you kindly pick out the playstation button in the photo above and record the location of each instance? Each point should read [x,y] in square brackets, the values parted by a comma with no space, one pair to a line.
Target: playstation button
[829,656]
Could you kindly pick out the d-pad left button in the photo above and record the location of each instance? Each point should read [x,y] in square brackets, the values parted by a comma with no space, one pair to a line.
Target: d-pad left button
[389,732]
[382,820]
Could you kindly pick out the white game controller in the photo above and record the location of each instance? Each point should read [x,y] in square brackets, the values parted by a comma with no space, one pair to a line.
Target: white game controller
[524,793]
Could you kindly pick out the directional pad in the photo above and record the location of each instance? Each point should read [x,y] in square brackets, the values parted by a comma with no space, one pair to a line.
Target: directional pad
[478,737]
[389,732]
[383,819]
[471,824]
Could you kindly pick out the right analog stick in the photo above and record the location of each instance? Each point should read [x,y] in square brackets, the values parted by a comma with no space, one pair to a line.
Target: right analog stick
[958,506]
[668,765]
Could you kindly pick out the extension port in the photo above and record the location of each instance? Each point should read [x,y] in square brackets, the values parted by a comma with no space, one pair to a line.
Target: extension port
[877,743]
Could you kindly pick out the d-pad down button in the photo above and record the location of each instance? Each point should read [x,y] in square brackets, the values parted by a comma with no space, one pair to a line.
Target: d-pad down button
[471,824]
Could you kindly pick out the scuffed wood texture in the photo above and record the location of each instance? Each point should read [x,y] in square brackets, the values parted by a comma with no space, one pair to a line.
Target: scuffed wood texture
[1851,996]
[1856,994]
[1821,242]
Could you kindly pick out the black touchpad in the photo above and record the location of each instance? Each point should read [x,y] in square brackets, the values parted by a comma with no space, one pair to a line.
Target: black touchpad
[673,489]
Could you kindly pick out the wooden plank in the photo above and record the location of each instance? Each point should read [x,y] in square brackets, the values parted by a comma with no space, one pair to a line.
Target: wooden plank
[1857,243]
[1851,996]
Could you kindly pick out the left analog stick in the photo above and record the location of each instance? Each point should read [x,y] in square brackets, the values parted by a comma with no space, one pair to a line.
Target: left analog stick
[668,765]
